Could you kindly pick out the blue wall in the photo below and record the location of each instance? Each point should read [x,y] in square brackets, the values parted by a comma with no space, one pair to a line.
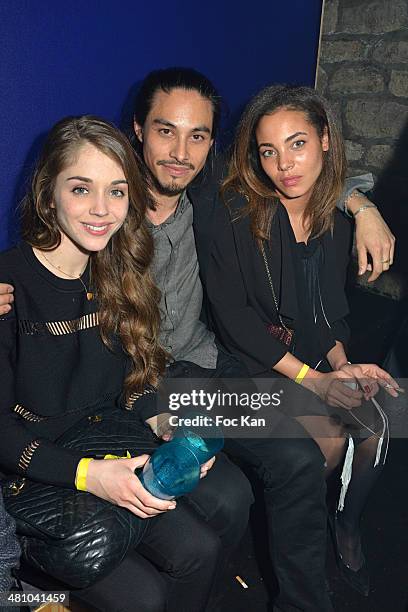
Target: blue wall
[85,56]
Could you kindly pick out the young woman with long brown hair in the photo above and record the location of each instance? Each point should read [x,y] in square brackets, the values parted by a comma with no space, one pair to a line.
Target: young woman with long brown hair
[82,344]
[276,282]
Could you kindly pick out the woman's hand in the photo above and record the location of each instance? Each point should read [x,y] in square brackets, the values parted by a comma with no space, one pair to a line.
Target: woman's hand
[366,383]
[115,481]
[331,388]
[206,466]
[374,375]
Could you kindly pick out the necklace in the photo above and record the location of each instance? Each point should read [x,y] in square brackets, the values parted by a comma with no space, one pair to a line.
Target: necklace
[89,294]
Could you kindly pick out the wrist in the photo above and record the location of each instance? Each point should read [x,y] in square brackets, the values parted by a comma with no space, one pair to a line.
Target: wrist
[302,373]
[93,477]
[82,473]
[313,374]
[353,201]
[337,357]
[338,365]
[311,379]
[369,206]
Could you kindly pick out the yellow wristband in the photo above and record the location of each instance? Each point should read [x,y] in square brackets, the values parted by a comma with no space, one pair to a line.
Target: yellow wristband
[82,469]
[127,456]
[302,373]
[81,473]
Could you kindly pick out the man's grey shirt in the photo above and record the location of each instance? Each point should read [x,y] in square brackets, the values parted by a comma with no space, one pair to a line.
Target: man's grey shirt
[176,272]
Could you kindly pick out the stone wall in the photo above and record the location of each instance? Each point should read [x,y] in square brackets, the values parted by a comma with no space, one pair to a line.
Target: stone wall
[364,72]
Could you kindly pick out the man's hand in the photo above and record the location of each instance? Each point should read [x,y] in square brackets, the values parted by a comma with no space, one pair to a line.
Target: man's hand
[373,237]
[6,298]
[115,481]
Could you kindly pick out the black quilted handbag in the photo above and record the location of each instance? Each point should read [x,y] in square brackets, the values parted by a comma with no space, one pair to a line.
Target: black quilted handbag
[71,535]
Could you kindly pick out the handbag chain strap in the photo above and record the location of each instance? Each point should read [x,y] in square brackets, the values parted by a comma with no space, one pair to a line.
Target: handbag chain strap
[272,289]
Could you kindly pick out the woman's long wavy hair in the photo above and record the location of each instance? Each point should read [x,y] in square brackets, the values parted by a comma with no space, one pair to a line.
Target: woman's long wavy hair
[247,176]
[127,297]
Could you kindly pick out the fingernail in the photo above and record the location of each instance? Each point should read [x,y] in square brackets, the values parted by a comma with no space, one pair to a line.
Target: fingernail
[172,507]
[367,389]
[360,272]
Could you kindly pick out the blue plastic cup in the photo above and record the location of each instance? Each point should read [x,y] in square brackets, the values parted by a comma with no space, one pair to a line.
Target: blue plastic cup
[172,470]
[202,436]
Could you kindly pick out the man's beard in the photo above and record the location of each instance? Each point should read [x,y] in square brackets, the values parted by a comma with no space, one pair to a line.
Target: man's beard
[167,189]
[170,189]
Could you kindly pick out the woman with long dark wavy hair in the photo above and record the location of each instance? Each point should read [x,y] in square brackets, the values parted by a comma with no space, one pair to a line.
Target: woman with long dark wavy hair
[82,347]
[276,285]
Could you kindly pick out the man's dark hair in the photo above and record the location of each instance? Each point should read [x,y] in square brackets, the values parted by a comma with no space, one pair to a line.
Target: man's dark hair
[168,79]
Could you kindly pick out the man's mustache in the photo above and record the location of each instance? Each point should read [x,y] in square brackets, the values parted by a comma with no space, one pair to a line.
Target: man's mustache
[170,162]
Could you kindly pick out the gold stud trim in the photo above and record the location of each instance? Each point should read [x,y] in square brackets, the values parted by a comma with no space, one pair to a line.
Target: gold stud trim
[27,415]
[60,328]
[135,396]
[27,455]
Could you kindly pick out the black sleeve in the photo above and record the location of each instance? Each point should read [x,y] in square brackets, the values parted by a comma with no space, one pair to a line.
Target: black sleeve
[146,404]
[341,332]
[342,236]
[21,451]
[237,324]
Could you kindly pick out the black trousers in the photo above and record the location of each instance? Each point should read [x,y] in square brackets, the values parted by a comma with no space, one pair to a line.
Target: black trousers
[291,469]
[174,566]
